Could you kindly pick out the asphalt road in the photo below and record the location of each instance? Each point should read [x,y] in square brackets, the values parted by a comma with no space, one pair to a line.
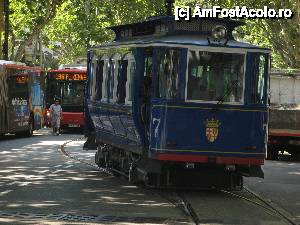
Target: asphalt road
[37,182]
[281,185]
[40,185]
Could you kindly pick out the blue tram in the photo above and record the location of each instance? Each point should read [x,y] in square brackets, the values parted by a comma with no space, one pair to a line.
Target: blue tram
[178,103]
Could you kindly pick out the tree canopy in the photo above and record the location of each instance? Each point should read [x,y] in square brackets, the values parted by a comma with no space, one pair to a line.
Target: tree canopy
[69,27]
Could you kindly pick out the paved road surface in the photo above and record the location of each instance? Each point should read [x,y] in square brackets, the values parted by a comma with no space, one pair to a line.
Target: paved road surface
[281,184]
[39,183]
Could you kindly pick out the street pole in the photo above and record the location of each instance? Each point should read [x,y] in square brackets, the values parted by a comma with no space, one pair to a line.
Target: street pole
[6,31]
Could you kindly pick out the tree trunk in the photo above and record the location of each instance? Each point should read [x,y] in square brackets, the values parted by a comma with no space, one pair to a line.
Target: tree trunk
[51,13]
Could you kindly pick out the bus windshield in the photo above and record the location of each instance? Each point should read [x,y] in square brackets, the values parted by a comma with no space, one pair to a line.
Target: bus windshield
[18,86]
[70,92]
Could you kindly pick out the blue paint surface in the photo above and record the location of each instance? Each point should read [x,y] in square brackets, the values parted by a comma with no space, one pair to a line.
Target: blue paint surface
[182,128]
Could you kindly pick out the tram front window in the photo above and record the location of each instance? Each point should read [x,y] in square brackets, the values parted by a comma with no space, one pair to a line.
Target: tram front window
[214,76]
[258,95]
[168,73]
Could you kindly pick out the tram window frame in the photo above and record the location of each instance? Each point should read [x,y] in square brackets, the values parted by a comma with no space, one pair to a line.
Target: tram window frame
[116,59]
[130,74]
[259,94]
[89,80]
[99,78]
[106,66]
[161,71]
[122,78]
[110,80]
[146,89]
[241,81]
[94,78]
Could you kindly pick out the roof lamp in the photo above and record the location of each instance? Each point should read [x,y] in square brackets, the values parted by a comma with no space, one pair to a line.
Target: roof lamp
[219,32]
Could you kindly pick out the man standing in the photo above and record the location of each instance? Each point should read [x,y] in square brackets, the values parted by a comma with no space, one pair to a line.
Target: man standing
[56,111]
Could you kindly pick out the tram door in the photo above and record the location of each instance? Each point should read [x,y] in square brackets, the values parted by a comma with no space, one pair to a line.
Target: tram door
[146,91]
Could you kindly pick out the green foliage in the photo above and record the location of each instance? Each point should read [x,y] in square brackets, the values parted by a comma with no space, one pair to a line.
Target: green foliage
[28,19]
[282,35]
[81,23]
[78,24]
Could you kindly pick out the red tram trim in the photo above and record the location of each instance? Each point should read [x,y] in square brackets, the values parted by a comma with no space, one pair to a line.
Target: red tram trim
[206,159]
[240,161]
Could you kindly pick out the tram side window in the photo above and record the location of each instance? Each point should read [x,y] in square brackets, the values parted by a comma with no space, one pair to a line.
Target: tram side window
[110,80]
[122,77]
[168,62]
[90,80]
[105,77]
[94,79]
[258,93]
[99,80]
[129,78]
[115,77]
[213,76]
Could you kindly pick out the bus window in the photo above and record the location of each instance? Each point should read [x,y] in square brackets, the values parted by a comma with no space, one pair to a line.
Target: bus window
[168,63]
[73,93]
[18,85]
[68,86]
[212,75]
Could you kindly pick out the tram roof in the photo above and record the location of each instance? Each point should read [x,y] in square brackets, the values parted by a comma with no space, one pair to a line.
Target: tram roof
[171,19]
[179,41]
[165,30]
[168,25]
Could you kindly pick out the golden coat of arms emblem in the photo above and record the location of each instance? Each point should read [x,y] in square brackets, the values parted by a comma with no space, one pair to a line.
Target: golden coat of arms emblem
[212,129]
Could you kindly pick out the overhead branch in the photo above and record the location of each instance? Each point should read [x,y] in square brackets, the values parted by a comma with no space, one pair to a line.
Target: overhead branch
[40,25]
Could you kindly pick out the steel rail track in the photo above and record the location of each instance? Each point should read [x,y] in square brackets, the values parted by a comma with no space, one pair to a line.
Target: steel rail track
[67,154]
[269,208]
[179,200]
[188,209]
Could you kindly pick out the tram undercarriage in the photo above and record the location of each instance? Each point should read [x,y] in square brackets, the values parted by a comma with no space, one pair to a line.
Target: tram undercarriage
[163,174]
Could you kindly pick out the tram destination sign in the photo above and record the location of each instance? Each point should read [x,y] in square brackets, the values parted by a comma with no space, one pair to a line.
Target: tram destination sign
[70,76]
